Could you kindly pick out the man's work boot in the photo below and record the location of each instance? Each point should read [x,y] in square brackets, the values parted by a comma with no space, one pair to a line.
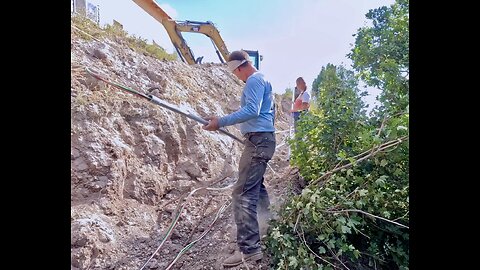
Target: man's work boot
[238,258]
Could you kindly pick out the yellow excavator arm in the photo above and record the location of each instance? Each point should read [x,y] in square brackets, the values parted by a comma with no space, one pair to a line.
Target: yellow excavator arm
[175,29]
[208,29]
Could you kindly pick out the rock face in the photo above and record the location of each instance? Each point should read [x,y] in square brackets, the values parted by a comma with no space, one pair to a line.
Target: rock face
[133,162]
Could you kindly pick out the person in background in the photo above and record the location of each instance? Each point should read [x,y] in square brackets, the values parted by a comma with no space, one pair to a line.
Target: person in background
[302,101]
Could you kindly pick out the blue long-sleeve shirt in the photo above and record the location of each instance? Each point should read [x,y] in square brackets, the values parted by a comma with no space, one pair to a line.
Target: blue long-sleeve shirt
[257,107]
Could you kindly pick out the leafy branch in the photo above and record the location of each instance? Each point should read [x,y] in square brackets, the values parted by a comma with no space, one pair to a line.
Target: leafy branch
[302,236]
[367,154]
[365,213]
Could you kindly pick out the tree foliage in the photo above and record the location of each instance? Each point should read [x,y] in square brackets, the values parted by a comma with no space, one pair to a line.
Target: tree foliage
[339,114]
[288,93]
[381,57]
[354,211]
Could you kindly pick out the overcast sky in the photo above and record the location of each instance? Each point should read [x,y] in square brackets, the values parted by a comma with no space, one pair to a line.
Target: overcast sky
[295,37]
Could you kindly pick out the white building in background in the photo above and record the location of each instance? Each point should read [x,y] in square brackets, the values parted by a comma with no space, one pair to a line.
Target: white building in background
[87,9]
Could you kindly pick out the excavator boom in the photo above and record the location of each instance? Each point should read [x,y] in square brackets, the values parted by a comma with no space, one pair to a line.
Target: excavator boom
[208,29]
[170,25]
[175,28]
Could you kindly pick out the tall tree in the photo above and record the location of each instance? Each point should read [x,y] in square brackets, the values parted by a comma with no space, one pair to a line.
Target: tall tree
[380,55]
[332,126]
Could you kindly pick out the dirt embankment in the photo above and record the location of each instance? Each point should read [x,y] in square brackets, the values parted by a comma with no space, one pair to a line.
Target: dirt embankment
[133,163]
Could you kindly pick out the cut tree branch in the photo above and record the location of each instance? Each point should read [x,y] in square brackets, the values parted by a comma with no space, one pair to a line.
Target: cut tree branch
[315,254]
[372,153]
[365,213]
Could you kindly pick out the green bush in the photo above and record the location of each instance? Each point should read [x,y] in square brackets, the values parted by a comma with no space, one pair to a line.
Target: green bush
[354,211]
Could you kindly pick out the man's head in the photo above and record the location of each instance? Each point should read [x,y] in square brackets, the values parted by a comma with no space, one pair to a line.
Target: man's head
[240,65]
[301,85]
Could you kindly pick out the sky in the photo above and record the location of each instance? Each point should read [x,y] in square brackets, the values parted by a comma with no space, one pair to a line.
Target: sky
[295,37]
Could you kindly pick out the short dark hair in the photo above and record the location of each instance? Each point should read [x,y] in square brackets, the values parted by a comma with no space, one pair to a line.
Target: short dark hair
[239,55]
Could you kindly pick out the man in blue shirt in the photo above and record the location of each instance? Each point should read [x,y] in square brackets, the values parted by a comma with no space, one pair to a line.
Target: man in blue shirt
[256,119]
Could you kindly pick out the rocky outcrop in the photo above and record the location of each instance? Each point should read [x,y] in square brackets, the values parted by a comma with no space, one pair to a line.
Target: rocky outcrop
[132,161]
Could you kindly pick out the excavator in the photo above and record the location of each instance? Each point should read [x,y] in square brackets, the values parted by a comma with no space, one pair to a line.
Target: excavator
[175,28]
